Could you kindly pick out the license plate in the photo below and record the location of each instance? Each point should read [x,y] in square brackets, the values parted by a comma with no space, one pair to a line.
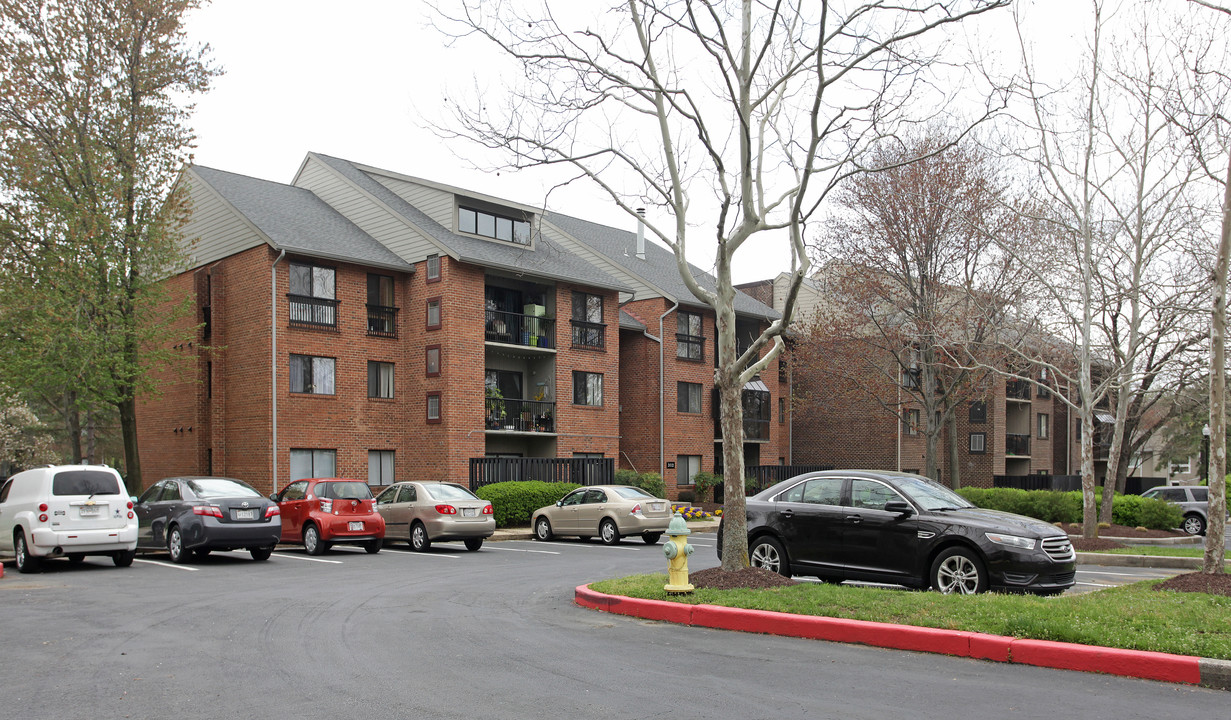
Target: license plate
[469,512]
[90,510]
[245,514]
[656,506]
[355,526]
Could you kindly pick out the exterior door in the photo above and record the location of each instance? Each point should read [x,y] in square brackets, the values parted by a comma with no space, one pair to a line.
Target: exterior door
[160,511]
[591,511]
[405,510]
[811,523]
[565,516]
[876,541]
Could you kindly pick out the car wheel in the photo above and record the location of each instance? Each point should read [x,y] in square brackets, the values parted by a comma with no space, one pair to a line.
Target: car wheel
[261,553]
[26,563]
[1194,524]
[312,540]
[473,544]
[373,546]
[608,531]
[75,558]
[651,538]
[958,571]
[542,529]
[419,541]
[767,553]
[124,558]
[175,546]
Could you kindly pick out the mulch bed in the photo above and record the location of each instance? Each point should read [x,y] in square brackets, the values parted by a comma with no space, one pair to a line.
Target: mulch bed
[1124,531]
[751,578]
[1199,583]
[1081,544]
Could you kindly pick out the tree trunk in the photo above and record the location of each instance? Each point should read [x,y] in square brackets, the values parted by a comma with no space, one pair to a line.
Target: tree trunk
[72,425]
[955,465]
[734,517]
[132,460]
[1215,533]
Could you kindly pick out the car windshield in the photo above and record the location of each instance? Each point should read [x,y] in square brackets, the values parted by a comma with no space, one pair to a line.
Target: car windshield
[632,493]
[344,491]
[209,488]
[84,482]
[930,495]
[442,491]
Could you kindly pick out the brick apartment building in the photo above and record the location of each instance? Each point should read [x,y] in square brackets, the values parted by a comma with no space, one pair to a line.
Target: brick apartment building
[363,323]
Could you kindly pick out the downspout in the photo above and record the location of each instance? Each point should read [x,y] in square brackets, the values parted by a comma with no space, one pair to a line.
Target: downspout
[662,459]
[273,366]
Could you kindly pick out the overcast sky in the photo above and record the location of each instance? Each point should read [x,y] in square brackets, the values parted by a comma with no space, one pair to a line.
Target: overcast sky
[355,79]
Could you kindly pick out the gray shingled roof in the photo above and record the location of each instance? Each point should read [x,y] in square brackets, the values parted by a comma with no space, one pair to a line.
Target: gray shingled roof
[657,269]
[628,322]
[545,260]
[298,221]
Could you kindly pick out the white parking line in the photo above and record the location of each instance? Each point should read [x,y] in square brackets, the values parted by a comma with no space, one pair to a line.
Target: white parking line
[1095,584]
[166,564]
[407,553]
[309,559]
[508,549]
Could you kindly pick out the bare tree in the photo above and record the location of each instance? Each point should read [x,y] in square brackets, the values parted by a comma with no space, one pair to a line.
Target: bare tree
[760,109]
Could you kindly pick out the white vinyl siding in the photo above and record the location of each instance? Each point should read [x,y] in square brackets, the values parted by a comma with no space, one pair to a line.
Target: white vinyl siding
[216,228]
[433,202]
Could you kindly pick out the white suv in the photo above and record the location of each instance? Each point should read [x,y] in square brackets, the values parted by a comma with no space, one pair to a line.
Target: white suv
[67,511]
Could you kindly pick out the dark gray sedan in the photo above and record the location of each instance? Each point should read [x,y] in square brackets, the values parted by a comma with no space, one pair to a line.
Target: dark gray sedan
[189,516]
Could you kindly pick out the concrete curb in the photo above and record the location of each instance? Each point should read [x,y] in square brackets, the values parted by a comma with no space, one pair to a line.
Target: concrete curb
[1142,664]
[1144,561]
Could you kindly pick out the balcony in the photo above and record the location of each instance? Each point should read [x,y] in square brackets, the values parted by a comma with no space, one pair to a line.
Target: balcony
[312,312]
[518,329]
[526,416]
[1017,445]
[589,335]
[382,321]
[1017,390]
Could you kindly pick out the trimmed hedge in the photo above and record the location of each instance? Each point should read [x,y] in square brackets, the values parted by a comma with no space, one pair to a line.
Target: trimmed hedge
[513,502]
[1065,507]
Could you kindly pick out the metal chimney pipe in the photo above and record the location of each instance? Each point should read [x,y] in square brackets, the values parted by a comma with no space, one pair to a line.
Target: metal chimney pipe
[641,233]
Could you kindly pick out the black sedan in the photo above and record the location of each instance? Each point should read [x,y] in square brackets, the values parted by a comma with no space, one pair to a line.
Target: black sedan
[189,516]
[902,529]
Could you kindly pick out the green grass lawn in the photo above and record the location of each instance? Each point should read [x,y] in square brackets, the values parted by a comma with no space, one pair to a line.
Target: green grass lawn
[1133,617]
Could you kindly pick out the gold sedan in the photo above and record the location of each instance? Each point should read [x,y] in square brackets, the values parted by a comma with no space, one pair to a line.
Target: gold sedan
[606,511]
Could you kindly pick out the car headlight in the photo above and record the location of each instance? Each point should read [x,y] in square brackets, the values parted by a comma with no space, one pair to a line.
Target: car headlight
[1011,540]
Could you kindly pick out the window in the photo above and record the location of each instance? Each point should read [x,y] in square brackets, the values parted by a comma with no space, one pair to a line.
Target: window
[1044,378]
[978,443]
[781,411]
[311,298]
[490,225]
[312,464]
[433,407]
[432,354]
[380,379]
[689,337]
[818,491]
[382,315]
[688,397]
[1183,468]
[433,313]
[380,467]
[587,388]
[1044,425]
[312,375]
[686,466]
[871,495]
[588,328]
[433,268]
[910,378]
[978,411]
[757,411]
[911,426]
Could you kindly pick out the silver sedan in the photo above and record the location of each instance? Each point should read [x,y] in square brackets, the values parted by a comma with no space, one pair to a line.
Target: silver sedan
[427,512]
[606,511]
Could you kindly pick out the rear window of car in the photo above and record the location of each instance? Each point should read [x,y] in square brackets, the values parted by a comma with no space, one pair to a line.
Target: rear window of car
[344,491]
[208,488]
[448,492]
[1200,494]
[632,493]
[84,482]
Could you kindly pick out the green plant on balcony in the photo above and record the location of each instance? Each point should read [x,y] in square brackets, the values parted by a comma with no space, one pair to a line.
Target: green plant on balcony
[495,408]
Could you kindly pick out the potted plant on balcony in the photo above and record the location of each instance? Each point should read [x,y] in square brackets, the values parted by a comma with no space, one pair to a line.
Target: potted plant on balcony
[495,408]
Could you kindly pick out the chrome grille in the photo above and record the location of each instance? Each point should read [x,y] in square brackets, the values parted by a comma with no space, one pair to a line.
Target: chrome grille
[1059,549]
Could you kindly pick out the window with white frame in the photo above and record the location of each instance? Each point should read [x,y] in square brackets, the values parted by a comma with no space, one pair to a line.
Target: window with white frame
[978,443]
[1044,421]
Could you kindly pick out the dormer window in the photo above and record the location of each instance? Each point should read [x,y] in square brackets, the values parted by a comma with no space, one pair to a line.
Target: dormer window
[493,225]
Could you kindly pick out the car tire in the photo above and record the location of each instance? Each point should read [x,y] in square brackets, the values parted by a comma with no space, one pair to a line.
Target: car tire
[373,546]
[175,546]
[26,563]
[419,541]
[542,529]
[261,553]
[768,554]
[608,532]
[312,540]
[958,571]
[76,558]
[124,558]
[1194,524]
[651,538]
[473,544]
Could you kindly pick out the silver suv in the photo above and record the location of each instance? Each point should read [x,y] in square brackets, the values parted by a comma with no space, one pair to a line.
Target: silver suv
[1194,502]
[67,511]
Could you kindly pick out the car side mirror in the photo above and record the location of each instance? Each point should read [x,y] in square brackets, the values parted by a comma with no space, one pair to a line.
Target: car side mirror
[900,507]
[273,496]
[559,503]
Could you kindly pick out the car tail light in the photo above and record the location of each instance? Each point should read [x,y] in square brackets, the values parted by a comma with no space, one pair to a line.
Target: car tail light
[130,514]
[326,506]
[42,507]
[130,504]
[487,510]
[446,509]
[43,517]
[636,510]
[210,510]
[272,510]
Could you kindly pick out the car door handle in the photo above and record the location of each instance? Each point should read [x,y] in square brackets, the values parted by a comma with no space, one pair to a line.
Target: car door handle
[854,518]
[788,513]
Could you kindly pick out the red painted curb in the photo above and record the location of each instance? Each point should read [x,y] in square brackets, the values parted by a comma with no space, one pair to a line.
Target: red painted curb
[1042,653]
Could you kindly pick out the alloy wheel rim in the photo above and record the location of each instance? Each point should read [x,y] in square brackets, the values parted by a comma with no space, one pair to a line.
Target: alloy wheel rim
[1192,526]
[309,540]
[417,536]
[958,575]
[177,546]
[766,557]
[608,532]
[542,529]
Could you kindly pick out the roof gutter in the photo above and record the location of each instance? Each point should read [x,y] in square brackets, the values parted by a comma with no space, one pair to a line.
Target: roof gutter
[273,367]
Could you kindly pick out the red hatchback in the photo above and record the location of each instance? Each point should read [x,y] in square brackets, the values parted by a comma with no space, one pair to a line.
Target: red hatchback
[321,512]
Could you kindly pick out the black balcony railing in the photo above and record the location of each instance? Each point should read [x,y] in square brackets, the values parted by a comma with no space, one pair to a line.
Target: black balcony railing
[583,471]
[520,415]
[589,335]
[518,329]
[1017,445]
[307,311]
[1017,390]
[382,321]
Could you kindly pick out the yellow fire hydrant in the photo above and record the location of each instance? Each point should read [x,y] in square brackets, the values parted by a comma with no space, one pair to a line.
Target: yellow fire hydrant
[677,551]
